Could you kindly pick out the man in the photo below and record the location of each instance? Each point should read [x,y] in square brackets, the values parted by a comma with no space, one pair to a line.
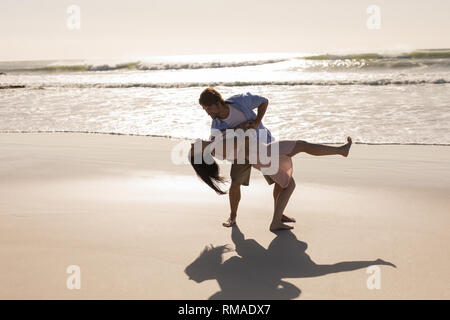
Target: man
[228,114]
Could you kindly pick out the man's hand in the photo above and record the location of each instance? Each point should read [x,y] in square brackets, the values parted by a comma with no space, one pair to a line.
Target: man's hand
[242,125]
[252,124]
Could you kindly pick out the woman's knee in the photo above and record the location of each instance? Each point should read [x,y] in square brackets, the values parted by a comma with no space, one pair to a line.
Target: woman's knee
[301,144]
[292,184]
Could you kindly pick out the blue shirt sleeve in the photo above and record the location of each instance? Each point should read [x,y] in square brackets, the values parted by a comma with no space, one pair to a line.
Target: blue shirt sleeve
[253,101]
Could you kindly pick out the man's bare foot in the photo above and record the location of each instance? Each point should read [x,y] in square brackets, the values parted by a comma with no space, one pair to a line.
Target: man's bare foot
[230,222]
[287,219]
[346,147]
[279,226]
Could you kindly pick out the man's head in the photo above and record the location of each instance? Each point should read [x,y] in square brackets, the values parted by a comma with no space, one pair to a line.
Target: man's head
[212,102]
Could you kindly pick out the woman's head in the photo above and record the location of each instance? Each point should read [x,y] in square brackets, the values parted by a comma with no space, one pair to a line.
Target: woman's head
[207,169]
[208,264]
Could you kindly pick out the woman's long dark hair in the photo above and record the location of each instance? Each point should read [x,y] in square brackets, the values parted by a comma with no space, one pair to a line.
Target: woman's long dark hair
[209,173]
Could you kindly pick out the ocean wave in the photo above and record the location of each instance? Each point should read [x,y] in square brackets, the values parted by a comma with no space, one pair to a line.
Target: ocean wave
[206,65]
[379,82]
[419,58]
[369,65]
[372,56]
[144,66]
[373,61]
[187,138]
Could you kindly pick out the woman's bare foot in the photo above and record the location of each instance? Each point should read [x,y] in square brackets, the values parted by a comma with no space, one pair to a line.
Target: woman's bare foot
[287,219]
[230,222]
[346,147]
[279,226]
[382,262]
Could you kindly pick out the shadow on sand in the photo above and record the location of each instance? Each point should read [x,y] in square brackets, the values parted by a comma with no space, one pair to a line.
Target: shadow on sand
[257,272]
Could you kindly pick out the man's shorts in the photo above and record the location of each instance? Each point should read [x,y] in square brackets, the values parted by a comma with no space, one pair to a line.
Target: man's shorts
[240,173]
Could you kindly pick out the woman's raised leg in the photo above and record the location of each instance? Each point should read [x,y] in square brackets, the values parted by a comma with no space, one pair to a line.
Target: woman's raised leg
[320,149]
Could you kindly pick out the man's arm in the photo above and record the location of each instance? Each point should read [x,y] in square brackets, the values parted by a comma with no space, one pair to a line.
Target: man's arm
[259,116]
[261,111]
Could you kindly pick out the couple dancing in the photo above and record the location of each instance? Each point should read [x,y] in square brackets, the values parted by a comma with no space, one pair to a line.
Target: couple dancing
[237,113]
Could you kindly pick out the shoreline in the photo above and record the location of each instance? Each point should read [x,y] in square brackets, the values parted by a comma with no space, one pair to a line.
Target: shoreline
[184,138]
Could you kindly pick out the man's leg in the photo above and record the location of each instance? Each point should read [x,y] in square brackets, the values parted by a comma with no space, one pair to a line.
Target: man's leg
[235,197]
[240,175]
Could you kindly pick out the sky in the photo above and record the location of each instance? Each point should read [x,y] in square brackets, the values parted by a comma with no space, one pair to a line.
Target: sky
[39,29]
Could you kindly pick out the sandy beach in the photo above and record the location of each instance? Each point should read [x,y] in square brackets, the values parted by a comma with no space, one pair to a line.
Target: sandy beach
[117,207]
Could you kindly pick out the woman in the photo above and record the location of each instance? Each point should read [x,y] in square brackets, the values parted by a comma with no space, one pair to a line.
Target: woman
[208,170]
